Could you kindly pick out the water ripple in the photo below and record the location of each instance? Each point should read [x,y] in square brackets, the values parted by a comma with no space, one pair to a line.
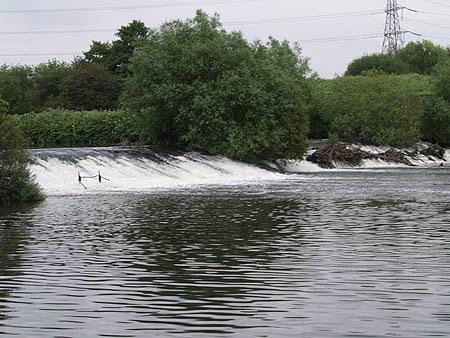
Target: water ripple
[339,254]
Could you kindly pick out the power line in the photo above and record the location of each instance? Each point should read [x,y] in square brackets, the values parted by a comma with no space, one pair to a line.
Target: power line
[66,31]
[38,54]
[232,23]
[429,24]
[434,13]
[437,3]
[319,40]
[342,38]
[128,7]
[299,18]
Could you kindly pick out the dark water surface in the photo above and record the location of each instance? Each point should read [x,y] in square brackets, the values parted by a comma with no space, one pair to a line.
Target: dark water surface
[335,254]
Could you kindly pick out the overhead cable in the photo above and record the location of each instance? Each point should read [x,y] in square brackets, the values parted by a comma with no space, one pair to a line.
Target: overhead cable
[126,7]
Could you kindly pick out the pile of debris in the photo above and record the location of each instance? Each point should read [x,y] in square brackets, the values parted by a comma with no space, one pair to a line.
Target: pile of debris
[353,156]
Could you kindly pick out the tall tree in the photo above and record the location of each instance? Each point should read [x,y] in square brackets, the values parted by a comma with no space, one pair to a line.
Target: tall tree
[116,55]
[421,56]
[88,87]
[193,82]
[17,88]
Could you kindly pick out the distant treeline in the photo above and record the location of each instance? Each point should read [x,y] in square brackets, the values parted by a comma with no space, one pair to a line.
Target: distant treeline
[192,83]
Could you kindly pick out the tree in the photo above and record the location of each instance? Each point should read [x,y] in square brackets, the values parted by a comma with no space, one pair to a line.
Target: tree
[87,87]
[435,125]
[441,75]
[377,62]
[16,184]
[48,78]
[116,55]
[17,88]
[376,109]
[421,56]
[193,82]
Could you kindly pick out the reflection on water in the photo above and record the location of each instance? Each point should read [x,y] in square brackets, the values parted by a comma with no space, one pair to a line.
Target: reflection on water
[340,254]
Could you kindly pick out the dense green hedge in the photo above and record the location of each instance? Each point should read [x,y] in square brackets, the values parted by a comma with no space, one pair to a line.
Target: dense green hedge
[62,128]
[377,109]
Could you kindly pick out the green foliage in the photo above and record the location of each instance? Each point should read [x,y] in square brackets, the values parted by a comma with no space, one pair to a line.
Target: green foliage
[377,62]
[17,88]
[116,55]
[48,78]
[318,126]
[61,128]
[416,57]
[441,75]
[16,184]
[435,126]
[79,85]
[193,82]
[381,109]
[87,87]
[421,56]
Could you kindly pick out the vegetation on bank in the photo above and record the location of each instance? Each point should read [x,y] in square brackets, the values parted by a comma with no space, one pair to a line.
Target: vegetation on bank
[16,183]
[192,83]
[376,109]
[63,128]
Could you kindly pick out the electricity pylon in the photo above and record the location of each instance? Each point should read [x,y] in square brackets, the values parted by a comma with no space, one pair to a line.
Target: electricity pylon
[393,35]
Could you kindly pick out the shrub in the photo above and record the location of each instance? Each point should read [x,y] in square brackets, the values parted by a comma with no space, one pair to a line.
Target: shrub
[435,126]
[378,109]
[62,128]
[16,184]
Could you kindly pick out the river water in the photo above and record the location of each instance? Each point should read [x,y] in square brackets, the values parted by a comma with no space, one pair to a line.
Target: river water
[350,253]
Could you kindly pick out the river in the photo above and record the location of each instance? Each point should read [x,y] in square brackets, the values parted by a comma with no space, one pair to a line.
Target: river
[340,253]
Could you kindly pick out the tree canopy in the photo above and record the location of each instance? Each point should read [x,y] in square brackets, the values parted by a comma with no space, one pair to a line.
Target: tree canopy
[416,57]
[192,82]
[115,55]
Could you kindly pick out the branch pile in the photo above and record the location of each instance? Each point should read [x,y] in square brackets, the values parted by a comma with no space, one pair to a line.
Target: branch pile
[351,156]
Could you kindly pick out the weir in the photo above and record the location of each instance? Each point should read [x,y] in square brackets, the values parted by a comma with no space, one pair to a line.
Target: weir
[136,169]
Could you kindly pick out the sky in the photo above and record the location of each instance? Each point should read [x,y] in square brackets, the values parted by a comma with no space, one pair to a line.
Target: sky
[327,58]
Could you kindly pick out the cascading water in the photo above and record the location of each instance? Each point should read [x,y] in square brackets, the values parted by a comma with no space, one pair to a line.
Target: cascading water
[145,169]
[136,169]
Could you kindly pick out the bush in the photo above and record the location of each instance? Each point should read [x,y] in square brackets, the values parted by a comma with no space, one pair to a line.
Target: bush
[435,126]
[441,76]
[16,184]
[62,128]
[193,82]
[89,86]
[17,88]
[379,109]
[381,63]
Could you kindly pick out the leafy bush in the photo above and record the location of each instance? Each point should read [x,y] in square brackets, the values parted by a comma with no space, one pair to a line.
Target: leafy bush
[62,128]
[416,57]
[193,82]
[17,88]
[435,126]
[441,76]
[377,62]
[379,109]
[87,87]
[16,184]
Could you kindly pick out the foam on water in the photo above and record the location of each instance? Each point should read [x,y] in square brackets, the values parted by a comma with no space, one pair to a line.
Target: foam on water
[57,170]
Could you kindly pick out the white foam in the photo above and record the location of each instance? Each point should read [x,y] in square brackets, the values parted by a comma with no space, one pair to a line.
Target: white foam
[303,166]
[58,176]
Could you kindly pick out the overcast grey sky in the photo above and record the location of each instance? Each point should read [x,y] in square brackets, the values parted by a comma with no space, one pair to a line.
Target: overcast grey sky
[327,58]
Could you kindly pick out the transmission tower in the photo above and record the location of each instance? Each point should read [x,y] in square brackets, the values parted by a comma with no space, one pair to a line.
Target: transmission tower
[393,35]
